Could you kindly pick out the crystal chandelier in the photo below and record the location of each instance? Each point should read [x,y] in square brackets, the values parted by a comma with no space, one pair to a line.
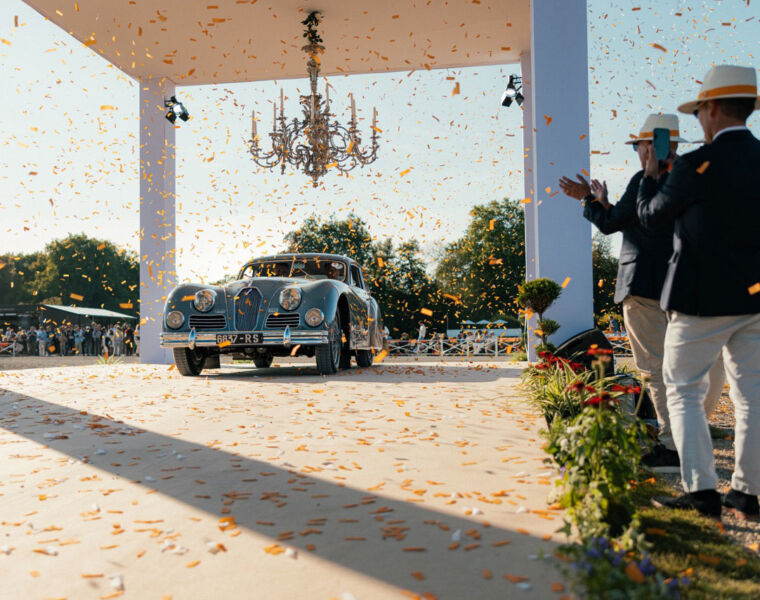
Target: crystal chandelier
[316,143]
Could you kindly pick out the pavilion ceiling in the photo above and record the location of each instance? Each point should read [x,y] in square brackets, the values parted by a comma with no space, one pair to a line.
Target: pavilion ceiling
[221,41]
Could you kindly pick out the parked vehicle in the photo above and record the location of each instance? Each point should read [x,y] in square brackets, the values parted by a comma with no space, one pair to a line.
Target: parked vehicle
[282,305]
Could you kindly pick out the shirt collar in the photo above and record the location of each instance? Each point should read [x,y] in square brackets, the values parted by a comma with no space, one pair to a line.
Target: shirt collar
[727,129]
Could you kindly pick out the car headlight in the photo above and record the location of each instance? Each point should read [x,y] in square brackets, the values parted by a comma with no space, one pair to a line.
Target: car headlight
[314,317]
[175,319]
[204,300]
[290,298]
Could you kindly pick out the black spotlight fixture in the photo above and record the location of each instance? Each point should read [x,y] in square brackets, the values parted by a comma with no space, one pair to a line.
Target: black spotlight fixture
[513,92]
[176,109]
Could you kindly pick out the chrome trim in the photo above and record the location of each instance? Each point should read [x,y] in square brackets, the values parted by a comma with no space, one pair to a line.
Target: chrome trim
[270,338]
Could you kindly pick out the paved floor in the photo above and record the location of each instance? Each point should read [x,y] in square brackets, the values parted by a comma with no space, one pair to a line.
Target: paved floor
[399,481]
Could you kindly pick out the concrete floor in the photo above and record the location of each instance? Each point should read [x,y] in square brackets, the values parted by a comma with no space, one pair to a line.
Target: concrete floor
[408,479]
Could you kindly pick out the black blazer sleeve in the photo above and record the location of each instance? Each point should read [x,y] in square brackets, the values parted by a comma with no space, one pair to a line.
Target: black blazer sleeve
[680,190]
[620,216]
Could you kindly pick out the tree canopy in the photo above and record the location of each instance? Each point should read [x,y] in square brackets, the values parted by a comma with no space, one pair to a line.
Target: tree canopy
[605,268]
[485,267]
[75,270]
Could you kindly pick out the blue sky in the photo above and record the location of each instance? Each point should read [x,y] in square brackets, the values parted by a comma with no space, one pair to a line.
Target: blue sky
[68,167]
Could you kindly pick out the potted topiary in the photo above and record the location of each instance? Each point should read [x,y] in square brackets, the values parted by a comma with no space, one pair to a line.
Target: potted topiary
[538,295]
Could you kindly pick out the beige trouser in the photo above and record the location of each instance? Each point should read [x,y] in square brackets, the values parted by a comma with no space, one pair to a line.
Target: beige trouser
[692,346]
[646,323]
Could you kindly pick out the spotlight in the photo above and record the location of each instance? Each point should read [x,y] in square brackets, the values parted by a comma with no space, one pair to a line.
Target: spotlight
[513,92]
[176,109]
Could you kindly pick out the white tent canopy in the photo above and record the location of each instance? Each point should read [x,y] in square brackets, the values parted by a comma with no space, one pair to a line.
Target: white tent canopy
[84,311]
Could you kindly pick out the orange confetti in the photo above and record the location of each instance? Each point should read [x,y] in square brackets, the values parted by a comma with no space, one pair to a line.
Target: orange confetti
[491,224]
[455,91]
[634,573]
[564,283]
[658,47]
[548,119]
[192,564]
[77,297]
[427,312]
[703,167]
[754,289]
[417,575]
[515,578]
[404,172]
[557,587]
[103,245]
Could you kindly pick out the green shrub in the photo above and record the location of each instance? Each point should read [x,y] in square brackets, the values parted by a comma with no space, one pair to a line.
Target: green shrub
[599,454]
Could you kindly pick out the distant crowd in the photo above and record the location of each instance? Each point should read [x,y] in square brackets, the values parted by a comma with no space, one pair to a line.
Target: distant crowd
[95,339]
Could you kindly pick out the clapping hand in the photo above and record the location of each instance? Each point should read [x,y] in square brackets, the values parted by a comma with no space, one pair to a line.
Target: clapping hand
[575,189]
[600,192]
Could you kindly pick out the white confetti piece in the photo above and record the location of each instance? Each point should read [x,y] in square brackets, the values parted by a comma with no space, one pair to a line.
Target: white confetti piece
[525,586]
[456,536]
[117,582]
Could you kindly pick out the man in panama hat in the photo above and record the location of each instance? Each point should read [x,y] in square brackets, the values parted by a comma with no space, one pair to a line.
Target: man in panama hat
[712,287]
[641,273]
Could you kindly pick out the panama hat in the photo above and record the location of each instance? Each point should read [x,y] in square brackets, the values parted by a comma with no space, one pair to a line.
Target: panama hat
[725,81]
[655,121]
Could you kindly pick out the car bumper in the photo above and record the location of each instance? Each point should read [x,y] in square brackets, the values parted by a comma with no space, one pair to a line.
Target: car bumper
[269,338]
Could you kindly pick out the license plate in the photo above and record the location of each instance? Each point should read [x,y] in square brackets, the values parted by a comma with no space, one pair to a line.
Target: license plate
[238,339]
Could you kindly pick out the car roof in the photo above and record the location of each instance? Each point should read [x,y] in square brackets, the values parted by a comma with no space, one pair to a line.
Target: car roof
[290,255]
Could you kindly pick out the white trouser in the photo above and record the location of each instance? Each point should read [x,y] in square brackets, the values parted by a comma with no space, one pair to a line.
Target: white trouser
[692,347]
[646,323]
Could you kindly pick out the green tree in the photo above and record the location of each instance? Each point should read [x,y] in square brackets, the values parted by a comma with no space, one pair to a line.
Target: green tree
[103,275]
[484,268]
[348,236]
[605,268]
[16,274]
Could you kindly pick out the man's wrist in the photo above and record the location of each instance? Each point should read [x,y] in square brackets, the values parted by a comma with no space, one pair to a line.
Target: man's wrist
[587,199]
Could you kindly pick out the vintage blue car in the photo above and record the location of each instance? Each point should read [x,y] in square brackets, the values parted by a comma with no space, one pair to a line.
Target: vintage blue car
[283,305]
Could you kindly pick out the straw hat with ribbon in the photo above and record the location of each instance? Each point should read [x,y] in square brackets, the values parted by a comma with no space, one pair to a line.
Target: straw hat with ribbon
[725,81]
[655,121]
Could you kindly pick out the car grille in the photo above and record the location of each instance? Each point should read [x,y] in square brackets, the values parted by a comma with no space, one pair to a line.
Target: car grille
[208,321]
[282,320]
[247,309]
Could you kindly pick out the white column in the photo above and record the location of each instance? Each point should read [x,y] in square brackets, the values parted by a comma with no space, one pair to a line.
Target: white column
[529,145]
[157,227]
[558,238]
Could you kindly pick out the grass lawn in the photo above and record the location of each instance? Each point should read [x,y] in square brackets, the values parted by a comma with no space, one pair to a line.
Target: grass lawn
[686,543]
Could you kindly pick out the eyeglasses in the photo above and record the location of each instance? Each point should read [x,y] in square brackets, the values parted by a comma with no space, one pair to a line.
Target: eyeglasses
[635,146]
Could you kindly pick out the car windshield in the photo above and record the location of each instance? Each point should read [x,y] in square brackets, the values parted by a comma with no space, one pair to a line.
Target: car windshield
[306,268]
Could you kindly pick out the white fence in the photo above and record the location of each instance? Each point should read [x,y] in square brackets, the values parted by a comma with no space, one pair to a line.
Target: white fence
[501,346]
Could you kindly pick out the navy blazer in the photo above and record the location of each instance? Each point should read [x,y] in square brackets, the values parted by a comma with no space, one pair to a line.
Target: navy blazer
[713,197]
[644,254]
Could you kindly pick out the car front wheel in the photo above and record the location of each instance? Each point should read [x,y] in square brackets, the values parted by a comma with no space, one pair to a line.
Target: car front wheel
[364,358]
[188,362]
[263,361]
[329,354]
